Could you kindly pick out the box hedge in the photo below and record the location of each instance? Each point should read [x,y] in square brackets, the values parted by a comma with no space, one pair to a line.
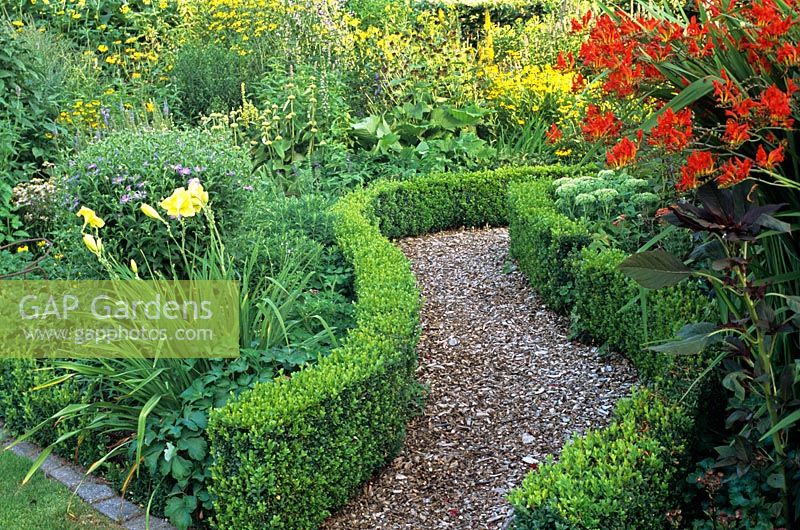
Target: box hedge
[628,475]
[544,242]
[617,478]
[614,310]
[289,453]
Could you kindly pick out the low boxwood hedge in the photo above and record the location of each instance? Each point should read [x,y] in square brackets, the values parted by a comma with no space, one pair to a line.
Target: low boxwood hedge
[544,242]
[287,454]
[615,311]
[628,475]
[616,478]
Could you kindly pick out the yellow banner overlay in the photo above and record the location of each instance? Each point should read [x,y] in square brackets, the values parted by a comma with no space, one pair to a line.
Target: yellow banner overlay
[114,319]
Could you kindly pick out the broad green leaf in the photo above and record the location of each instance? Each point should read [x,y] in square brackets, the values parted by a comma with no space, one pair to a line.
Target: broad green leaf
[654,269]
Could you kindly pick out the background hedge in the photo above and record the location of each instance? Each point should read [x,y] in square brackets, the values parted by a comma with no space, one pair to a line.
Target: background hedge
[287,454]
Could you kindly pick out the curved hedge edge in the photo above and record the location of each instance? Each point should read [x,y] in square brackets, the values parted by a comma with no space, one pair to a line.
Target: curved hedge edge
[288,453]
[624,476]
[544,242]
[616,478]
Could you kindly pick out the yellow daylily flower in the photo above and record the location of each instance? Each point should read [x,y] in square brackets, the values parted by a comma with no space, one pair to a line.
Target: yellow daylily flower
[90,218]
[197,192]
[134,267]
[150,212]
[181,204]
[95,245]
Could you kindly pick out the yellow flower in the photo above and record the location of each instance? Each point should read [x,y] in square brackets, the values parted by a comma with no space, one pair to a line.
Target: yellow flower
[90,218]
[124,9]
[181,204]
[149,107]
[40,244]
[197,193]
[17,23]
[23,248]
[150,212]
[102,48]
[134,267]
[94,245]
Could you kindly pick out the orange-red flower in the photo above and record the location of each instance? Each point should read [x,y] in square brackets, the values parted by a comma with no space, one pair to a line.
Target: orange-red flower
[789,54]
[698,164]
[600,126]
[565,63]
[734,171]
[775,105]
[673,131]
[554,134]
[726,93]
[622,154]
[736,133]
[769,161]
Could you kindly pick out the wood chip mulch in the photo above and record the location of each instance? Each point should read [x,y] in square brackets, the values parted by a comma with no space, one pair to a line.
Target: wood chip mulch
[507,388]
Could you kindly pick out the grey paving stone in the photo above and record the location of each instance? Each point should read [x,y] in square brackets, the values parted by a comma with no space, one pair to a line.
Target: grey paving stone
[93,493]
[26,449]
[68,476]
[52,463]
[117,509]
[155,524]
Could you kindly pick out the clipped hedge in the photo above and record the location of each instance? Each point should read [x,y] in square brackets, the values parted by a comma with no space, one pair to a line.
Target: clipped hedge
[627,475]
[544,242]
[621,477]
[288,453]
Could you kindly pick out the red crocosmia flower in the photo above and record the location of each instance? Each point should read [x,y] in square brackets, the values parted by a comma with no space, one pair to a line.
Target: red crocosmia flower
[698,164]
[580,25]
[775,106]
[657,52]
[672,131]
[622,154]
[726,93]
[554,134]
[736,133]
[789,55]
[599,126]
[741,110]
[578,82]
[565,63]
[734,171]
[769,161]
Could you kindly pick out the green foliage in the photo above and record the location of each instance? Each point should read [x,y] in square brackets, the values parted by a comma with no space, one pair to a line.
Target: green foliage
[621,477]
[737,502]
[30,93]
[545,242]
[426,137]
[208,79]
[115,176]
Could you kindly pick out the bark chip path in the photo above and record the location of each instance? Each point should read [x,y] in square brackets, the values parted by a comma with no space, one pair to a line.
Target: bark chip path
[507,388]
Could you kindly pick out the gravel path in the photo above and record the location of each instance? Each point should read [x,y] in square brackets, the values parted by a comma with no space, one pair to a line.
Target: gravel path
[507,389]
